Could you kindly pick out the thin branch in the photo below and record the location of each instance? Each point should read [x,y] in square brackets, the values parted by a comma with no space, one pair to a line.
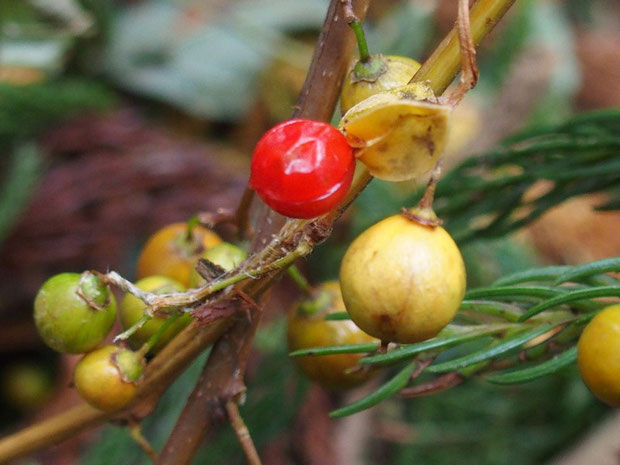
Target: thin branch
[242,433]
[136,434]
[221,380]
[439,384]
[159,374]
[50,431]
[422,364]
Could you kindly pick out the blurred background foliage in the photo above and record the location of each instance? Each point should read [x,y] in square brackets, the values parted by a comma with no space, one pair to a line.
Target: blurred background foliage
[119,117]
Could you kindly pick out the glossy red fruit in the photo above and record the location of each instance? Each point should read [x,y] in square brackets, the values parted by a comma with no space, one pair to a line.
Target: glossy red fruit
[302,168]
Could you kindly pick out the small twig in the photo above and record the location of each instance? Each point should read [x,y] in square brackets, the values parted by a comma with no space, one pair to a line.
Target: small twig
[242,433]
[469,69]
[180,300]
[220,381]
[150,343]
[133,328]
[135,433]
[422,364]
[439,384]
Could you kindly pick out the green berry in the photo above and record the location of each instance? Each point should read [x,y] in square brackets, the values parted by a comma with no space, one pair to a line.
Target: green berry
[73,323]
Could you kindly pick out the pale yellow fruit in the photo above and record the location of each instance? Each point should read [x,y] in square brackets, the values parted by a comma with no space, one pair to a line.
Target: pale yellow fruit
[397,72]
[402,281]
[398,134]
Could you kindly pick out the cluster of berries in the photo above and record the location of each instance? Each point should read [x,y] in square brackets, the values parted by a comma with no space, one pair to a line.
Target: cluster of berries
[74,313]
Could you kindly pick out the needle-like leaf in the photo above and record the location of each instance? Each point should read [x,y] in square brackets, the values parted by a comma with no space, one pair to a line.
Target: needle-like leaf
[531,373]
[490,352]
[390,388]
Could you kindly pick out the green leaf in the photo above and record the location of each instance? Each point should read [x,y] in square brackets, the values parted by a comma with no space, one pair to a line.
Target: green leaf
[484,196]
[539,370]
[332,350]
[547,273]
[589,269]
[500,309]
[337,316]
[435,343]
[491,352]
[17,186]
[390,388]
[512,291]
[580,294]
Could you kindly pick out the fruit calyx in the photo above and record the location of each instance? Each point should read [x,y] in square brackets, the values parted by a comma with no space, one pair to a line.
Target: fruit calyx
[93,291]
[369,70]
[423,216]
[130,365]
[188,244]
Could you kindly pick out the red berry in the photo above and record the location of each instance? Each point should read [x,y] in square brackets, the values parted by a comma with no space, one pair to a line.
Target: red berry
[302,168]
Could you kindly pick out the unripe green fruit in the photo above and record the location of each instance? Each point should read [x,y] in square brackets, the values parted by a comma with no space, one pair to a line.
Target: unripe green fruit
[132,309]
[307,328]
[226,255]
[108,378]
[65,321]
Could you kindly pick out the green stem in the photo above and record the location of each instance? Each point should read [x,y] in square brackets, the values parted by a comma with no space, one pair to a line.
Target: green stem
[148,345]
[299,279]
[191,224]
[133,328]
[362,45]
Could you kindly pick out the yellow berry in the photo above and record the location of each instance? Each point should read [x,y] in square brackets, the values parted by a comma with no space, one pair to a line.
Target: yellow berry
[598,355]
[402,281]
[307,328]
